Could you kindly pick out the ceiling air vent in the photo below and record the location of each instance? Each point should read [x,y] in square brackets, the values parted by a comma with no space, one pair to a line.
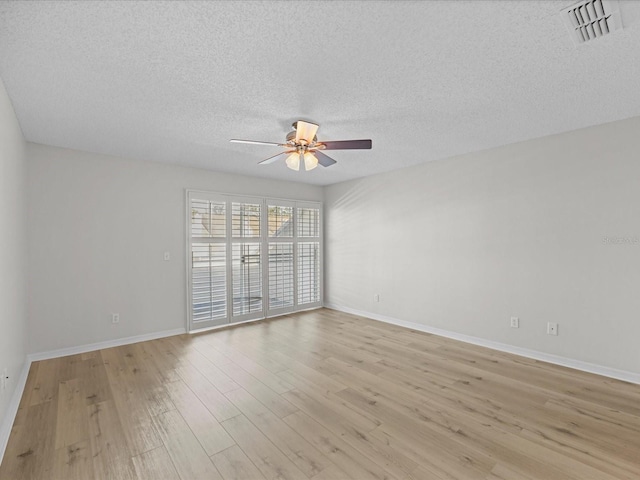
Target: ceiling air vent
[591,19]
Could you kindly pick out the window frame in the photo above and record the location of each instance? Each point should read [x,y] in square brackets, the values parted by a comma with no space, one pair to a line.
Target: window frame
[265,241]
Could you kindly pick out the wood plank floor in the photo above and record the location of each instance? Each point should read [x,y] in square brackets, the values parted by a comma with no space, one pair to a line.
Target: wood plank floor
[319,395]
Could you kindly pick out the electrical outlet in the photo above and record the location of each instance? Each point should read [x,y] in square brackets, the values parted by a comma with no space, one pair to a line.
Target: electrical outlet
[552,328]
[115,318]
[515,322]
[167,256]
[376,297]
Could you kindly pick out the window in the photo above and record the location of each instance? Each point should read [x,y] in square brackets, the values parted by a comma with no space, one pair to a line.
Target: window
[251,258]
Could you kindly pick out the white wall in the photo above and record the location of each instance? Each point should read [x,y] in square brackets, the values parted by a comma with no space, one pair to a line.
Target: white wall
[13,255]
[99,226]
[465,243]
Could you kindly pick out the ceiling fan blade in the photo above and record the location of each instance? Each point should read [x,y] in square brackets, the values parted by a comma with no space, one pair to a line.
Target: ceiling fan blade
[269,160]
[254,142]
[305,131]
[347,145]
[324,160]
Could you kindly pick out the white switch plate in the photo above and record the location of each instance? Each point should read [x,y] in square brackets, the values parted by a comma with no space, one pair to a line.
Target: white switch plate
[115,318]
[376,297]
[552,328]
[515,322]
[167,256]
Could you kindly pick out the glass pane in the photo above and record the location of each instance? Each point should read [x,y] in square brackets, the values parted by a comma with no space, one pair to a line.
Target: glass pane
[208,219]
[245,220]
[308,272]
[280,275]
[308,222]
[209,281]
[280,221]
[247,278]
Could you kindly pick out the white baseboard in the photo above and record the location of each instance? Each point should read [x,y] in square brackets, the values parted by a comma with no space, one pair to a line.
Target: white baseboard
[624,375]
[63,352]
[12,409]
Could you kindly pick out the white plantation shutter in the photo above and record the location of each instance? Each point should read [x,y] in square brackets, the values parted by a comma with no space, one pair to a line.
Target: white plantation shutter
[208,261]
[251,258]
[281,280]
[247,278]
[308,272]
[246,223]
[308,222]
[280,220]
[245,220]
[208,219]
[308,255]
[209,290]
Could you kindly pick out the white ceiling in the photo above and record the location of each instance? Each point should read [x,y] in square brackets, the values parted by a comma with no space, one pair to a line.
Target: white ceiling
[174,81]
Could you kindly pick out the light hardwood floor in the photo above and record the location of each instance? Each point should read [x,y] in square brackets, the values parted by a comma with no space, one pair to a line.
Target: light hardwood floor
[320,395]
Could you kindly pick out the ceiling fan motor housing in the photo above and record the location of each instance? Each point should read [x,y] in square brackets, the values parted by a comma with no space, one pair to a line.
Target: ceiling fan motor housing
[291,136]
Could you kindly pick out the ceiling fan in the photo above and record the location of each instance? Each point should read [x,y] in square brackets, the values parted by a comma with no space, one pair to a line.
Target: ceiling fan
[303,147]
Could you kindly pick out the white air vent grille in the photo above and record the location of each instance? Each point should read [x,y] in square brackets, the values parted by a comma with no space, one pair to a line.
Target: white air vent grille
[592,19]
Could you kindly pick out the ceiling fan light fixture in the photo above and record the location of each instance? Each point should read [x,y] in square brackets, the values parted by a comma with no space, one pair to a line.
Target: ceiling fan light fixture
[293,161]
[310,161]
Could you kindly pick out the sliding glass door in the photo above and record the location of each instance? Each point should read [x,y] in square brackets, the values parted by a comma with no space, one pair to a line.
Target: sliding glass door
[251,258]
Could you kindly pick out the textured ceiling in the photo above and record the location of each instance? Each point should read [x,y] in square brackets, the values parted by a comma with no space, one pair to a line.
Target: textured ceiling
[174,81]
